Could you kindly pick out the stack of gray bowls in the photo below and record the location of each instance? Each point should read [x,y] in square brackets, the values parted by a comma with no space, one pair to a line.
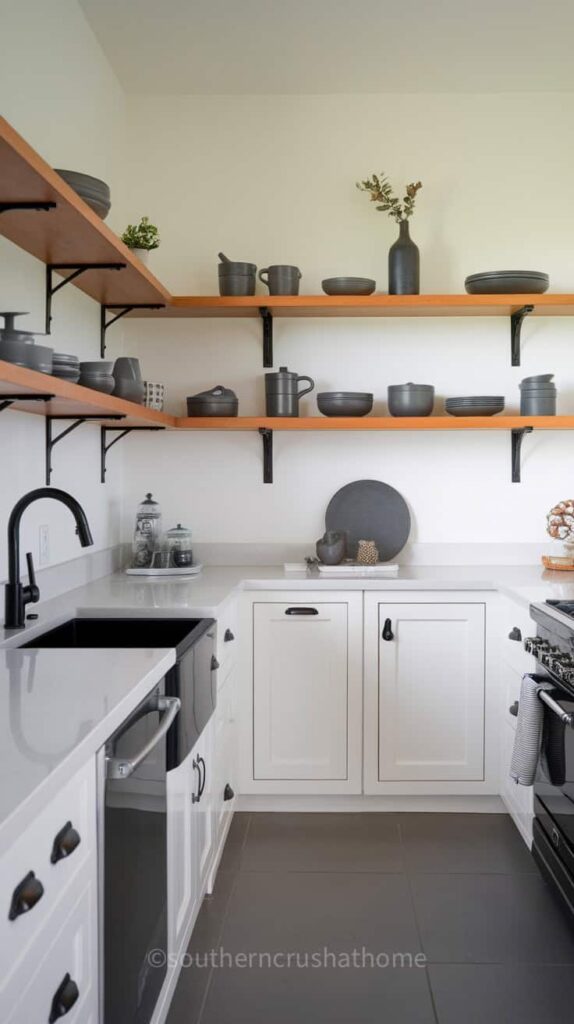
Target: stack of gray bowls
[98,376]
[410,399]
[538,395]
[128,379]
[235,277]
[66,367]
[94,191]
[19,347]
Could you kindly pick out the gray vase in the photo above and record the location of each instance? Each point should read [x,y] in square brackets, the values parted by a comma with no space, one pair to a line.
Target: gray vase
[404,264]
[331,547]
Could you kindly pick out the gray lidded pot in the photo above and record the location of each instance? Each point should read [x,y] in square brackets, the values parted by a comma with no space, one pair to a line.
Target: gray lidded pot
[538,402]
[219,401]
[410,399]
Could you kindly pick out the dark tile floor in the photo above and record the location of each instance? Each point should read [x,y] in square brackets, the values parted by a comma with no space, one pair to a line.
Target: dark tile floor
[458,897]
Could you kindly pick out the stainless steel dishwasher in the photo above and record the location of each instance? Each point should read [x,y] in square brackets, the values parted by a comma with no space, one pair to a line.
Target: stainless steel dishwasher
[132,826]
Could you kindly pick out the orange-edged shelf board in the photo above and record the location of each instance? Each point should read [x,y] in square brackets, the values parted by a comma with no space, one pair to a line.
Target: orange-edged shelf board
[375,423]
[71,232]
[207,306]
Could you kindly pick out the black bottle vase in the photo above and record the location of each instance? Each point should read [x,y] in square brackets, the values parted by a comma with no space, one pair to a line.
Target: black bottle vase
[404,264]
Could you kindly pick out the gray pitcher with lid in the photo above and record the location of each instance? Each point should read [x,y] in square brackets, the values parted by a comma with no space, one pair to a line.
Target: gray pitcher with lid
[281,394]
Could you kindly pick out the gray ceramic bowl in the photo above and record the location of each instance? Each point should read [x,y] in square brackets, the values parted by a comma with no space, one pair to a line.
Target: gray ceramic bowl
[127,368]
[93,191]
[97,368]
[345,403]
[348,286]
[104,384]
[410,399]
[33,357]
[507,282]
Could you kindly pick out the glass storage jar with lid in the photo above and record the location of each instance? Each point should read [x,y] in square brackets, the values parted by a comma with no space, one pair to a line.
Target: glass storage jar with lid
[178,544]
[147,533]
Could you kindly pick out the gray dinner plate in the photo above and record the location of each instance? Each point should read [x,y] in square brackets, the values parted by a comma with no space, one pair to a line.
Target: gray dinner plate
[370,510]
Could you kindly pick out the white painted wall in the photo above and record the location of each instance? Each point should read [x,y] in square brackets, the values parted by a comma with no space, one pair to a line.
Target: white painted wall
[272,180]
[59,92]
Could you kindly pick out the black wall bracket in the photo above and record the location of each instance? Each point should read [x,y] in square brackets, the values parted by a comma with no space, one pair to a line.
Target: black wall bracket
[51,441]
[25,205]
[267,319]
[267,438]
[77,269]
[516,320]
[7,400]
[123,311]
[105,446]
[517,437]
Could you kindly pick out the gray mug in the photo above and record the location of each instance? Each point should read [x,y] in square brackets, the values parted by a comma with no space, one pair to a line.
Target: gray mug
[281,279]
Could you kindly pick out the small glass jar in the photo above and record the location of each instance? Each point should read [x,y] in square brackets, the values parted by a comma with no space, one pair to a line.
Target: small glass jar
[147,533]
[178,543]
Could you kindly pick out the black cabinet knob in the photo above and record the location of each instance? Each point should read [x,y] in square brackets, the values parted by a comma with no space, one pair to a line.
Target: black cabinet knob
[25,896]
[228,792]
[387,631]
[65,842]
[228,636]
[66,996]
[214,663]
[513,709]
[515,634]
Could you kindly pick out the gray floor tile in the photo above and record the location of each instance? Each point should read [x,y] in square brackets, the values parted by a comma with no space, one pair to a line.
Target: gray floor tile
[231,857]
[475,843]
[323,842]
[490,919]
[354,996]
[509,994]
[306,911]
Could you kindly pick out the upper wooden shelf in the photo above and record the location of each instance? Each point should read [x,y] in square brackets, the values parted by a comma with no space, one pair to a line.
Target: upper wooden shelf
[375,423]
[361,305]
[71,233]
[71,400]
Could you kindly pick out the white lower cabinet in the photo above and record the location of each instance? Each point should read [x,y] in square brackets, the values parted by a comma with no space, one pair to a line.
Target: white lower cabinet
[182,881]
[203,760]
[424,692]
[305,694]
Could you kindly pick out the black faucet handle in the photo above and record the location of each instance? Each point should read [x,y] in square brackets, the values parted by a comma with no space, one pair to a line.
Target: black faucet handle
[33,588]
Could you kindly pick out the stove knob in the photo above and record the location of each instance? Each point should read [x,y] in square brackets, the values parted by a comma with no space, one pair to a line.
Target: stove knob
[536,645]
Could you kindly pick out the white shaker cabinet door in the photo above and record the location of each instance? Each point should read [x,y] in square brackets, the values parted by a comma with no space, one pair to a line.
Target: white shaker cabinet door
[301,691]
[431,678]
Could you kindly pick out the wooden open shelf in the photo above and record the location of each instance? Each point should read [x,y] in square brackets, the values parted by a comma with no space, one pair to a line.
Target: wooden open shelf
[70,233]
[376,423]
[183,306]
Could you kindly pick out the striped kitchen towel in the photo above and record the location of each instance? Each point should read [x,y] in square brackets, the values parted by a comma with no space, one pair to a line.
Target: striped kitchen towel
[528,731]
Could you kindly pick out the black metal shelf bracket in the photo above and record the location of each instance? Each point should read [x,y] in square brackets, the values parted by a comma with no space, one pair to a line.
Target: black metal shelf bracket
[105,446]
[267,438]
[516,320]
[77,269]
[32,205]
[52,441]
[267,318]
[123,311]
[7,400]
[517,437]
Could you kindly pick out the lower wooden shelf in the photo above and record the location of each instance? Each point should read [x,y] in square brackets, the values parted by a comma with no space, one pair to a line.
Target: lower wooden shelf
[375,423]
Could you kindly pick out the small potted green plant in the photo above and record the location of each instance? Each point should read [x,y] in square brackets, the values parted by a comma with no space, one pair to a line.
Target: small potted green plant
[141,238]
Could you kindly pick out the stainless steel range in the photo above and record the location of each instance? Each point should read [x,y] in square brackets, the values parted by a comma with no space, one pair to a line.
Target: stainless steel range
[553,648]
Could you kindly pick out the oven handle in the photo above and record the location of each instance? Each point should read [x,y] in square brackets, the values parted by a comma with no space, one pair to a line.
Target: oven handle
[555,707]
[119,768]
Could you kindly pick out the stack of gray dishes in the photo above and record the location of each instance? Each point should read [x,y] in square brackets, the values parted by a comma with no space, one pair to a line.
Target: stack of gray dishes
[128,379]
[507,282]
[475,405]
[348,285]
[345,403]
[93,191]
[538,395]
[410,399]
[66,367]
[98,376]
[236,277]
[19,347]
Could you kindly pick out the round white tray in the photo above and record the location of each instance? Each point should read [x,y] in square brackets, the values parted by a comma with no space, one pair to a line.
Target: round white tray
[186,570]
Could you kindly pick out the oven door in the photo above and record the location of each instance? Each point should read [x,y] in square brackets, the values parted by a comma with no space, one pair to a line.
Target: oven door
[554,784]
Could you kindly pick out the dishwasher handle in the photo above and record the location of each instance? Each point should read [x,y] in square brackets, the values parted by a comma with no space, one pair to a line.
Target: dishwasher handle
[121,768]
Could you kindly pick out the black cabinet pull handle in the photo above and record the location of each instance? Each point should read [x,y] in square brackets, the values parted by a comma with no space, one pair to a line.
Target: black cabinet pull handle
[513,709]
[228,792]
[66,996]
[515,634]
[301,611]
[203,775]
[65,843]
[387,631]
[25,896]
[195,797]
[228,636]
[214,663]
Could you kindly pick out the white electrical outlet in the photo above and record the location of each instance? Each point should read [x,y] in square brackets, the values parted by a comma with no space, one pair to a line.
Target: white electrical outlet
[44,546]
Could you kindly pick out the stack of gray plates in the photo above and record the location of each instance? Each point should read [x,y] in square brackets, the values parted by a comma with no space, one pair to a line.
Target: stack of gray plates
[475,405]
[507,282]
[98,376]
[66,367]
[93,191]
